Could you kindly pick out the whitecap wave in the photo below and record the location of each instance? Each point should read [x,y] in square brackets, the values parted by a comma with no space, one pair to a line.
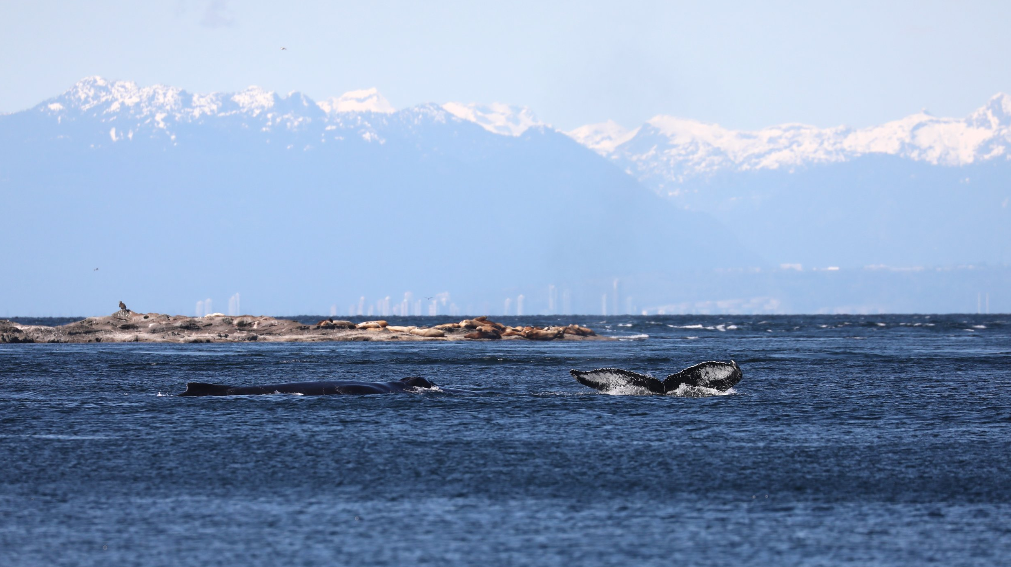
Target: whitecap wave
[639,337]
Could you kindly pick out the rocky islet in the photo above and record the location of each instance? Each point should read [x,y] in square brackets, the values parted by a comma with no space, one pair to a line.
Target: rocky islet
[126,326]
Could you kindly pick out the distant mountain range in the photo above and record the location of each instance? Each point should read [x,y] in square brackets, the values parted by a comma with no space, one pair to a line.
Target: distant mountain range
[668,150]
[663,152]
[185,196]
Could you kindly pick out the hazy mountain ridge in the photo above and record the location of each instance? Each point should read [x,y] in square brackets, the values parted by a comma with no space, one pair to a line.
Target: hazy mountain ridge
[182,197]
[258,192]
[664,153]
[159,111]
[667,151]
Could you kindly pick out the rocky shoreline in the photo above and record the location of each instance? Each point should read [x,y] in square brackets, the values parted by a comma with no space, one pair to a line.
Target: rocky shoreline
[127,326]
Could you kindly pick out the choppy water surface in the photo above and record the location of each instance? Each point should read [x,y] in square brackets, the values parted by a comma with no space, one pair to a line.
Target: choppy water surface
[851,441]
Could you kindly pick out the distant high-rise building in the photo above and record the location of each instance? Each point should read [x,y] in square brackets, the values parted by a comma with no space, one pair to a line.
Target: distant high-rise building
[233,305]
[207,306]
[519,304]
[405,305]
[200,308]
[615,306]
[361,305]
[386,306]
[433,308]
[603,305]
[508,304]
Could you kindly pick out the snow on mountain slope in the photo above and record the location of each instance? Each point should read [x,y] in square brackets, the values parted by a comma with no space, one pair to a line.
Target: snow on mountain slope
[367,100]
[126,111]
[668,149]
[602,138]
[159,110]
[496,117]
[663,152]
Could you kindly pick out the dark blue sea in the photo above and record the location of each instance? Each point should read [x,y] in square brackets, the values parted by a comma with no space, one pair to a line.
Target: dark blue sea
[852,440]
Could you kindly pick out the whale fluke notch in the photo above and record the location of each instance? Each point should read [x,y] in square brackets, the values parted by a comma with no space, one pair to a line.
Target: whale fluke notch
[711,374]
[205,389]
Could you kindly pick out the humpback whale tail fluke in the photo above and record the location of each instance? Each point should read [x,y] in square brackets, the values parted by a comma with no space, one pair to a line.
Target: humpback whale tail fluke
[204,389]
[715,375]
[614,379]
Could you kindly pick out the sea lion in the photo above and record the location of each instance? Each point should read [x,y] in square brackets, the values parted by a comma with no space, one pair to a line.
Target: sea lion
[536,334]
[331,324]
[409,384]
[578,331]
[484,333]
[428,332]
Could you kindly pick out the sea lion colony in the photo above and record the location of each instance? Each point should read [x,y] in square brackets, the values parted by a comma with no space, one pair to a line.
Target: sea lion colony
[129,326]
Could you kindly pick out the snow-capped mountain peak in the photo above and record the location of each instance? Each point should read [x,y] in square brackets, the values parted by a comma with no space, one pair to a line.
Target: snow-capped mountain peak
[499,118]
[112,96]
[254,100]
[669,149]
[365,100]
[603,137]
[665,151]
[995,113]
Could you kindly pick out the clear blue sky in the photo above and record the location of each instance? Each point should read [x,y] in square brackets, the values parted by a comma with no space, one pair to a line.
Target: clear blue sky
[743,65]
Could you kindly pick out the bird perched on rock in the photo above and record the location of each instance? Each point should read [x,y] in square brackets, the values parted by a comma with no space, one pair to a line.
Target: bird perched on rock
[122,306]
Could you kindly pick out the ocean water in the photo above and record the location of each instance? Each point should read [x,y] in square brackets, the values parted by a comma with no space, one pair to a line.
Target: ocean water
[852,440]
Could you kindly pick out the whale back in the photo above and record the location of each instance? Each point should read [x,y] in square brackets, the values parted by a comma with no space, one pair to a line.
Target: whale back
[205,389]
[716,375]
[417,382]
[614,379]
[411,383]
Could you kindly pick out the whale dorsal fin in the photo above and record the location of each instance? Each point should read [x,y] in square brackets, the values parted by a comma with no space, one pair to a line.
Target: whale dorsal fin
[609,379]
[716,375]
